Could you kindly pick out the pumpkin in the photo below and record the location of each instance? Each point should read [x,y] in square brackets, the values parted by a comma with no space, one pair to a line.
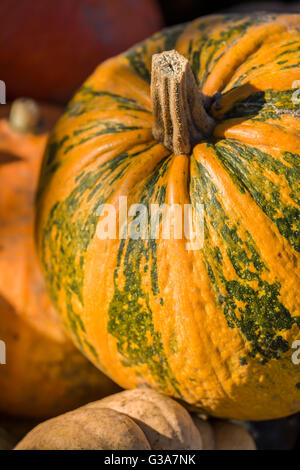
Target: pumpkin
[206,431]
[135,419]
[166,424]
[48,48]
[139,419]
[232,436]
[218,128]
[85,429]
[44,373]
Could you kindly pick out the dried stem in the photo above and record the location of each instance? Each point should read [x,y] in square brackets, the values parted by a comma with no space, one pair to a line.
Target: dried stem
[180,117]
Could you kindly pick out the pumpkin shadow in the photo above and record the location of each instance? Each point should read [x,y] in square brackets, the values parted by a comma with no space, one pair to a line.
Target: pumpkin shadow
[8,157]
[156,437]
[251,104]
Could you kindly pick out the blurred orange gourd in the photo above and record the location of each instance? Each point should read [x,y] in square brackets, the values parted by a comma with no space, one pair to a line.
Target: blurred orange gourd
[44,374]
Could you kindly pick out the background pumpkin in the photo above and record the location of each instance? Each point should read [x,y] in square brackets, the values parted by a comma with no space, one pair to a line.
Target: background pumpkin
[48,48]
[44,373]
[151,421]
[156,422]
[212,327]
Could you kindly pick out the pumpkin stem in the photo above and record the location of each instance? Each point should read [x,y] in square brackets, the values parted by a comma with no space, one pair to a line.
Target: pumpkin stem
[180,117]
[25,115]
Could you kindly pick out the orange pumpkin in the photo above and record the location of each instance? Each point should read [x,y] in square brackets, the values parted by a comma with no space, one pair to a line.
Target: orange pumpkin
[44,374]
[214,326]
[47,48]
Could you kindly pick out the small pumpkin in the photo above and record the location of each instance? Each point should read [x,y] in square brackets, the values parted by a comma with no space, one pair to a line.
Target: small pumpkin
[139,419]
[135,419]
[86,429]
[206,431]
[44,373]
[166,424]
[48,48]
[217,126]
[232,436]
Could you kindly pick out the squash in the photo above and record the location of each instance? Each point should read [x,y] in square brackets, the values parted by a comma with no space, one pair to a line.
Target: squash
[48,48]
[85,429]
[232,436]
[44,373]
[213,325]
[134,419]
[115,423]
[165,423]
[206,431]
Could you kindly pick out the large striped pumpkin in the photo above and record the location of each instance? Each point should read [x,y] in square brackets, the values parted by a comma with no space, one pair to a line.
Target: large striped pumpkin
[213,327]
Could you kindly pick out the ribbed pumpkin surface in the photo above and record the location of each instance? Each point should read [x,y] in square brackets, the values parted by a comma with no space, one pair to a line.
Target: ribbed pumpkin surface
[213,327]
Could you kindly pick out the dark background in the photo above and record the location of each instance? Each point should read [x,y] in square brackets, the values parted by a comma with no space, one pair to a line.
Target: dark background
[179,11]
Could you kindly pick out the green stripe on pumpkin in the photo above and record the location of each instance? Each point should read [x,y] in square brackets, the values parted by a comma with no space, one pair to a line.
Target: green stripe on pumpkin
[249,165]
[249,303]
[264,105]
[130,315]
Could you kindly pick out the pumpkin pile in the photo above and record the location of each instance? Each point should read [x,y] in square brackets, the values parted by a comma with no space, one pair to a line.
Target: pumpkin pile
[204,114]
